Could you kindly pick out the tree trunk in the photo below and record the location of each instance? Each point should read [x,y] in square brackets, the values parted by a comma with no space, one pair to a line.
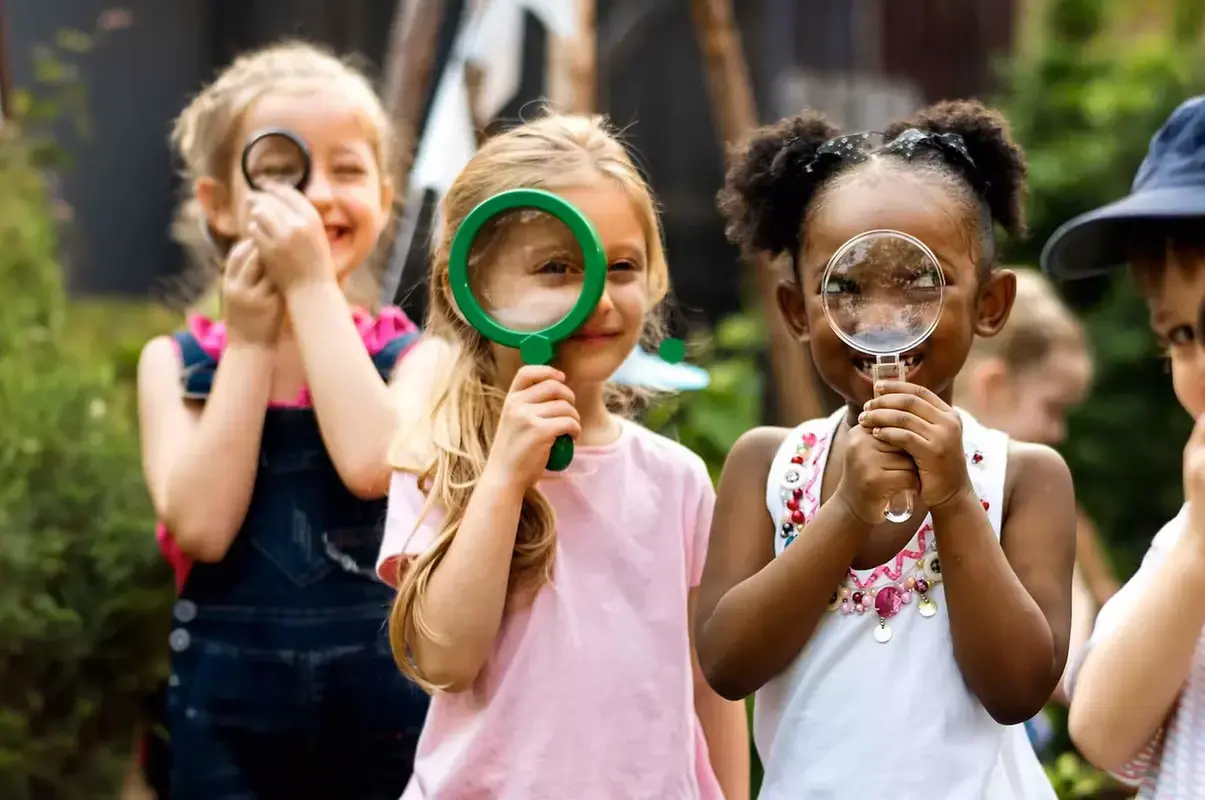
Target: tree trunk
[409,62]
[573,64]
[735,114]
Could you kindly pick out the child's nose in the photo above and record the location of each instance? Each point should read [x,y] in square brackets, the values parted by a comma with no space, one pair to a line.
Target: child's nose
[318,191]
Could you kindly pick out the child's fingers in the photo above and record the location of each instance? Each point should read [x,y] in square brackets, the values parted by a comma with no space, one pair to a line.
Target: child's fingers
[899,391]
[530,375]
[236,259]
[546,391]
[556,408]
[564,426]
[895,418]
[253,269]
[906,440]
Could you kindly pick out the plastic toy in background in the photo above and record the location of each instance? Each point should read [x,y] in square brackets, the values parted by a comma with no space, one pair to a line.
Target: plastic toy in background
[547,273]
[664,372]
[883,292]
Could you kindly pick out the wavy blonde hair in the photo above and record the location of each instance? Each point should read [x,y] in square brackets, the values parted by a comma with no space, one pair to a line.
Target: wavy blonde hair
[205,138]
[552,152]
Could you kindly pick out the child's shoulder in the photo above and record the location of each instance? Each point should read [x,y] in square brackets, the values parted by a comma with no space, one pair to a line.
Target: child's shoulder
[761,446]
[661,453]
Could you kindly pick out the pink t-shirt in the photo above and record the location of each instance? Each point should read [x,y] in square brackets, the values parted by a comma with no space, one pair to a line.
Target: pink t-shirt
[589,692]
[376,332]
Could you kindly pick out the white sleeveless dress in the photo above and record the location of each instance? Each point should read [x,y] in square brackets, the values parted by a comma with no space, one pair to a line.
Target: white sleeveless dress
[875,705]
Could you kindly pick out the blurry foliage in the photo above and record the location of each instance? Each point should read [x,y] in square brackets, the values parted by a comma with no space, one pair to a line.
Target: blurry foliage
[84,594]
[1084,97]
[711,420]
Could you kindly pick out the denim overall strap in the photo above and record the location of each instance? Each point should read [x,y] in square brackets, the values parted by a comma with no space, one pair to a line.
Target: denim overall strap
[388,355]
[198,367]
[283,684]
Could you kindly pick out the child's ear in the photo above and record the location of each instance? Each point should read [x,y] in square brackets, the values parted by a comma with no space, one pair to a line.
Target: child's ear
[386,192]
[996,297]
[215,199]
[794,310]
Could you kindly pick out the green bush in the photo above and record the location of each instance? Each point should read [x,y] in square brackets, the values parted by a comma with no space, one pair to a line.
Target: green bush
[84,596]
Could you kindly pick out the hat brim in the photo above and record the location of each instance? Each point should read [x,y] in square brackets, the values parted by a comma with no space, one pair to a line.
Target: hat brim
[1095,242]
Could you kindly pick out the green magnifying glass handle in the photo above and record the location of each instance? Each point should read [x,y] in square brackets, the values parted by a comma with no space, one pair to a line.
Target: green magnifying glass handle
[561,454]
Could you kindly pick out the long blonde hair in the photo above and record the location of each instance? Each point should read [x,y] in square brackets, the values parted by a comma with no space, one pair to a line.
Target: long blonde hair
[1039,324]
[552,152]
[204,138]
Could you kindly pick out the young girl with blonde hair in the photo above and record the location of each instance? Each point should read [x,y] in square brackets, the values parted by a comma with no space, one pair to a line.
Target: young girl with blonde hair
[265,450]
[550,614]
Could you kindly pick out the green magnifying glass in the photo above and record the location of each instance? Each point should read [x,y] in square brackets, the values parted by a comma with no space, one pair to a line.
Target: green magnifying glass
[527,269]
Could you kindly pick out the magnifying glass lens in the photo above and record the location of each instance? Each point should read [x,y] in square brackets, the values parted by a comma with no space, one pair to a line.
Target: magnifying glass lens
[276,159]
[882,293]
[526,270]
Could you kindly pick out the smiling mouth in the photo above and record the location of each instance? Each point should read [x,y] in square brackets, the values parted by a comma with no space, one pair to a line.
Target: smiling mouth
[911,362]
[593,337]
[337,233]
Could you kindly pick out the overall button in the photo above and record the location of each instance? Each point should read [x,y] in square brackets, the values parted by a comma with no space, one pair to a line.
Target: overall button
[179,640]
[185,610]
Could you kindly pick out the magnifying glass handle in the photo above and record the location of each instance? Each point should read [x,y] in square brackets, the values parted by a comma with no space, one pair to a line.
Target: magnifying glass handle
[561,454]
[899,507]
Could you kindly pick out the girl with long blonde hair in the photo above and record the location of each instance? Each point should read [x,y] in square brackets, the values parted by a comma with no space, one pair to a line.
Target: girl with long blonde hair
[264,439]
[549,614]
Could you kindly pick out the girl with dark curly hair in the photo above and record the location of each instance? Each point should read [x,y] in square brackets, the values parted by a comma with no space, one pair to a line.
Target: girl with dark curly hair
[889,660]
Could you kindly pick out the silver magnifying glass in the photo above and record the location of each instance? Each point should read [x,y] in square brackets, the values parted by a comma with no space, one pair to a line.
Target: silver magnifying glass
[883,292]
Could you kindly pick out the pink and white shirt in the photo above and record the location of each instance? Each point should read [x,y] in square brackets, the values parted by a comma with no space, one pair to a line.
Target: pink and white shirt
[1172,764]
[589,692]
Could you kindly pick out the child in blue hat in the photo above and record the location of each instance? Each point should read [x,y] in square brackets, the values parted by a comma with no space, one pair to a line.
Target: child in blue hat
[1138,687]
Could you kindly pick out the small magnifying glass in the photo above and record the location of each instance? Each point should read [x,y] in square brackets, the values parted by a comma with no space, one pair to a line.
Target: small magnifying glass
[883,293]
[276,157]
[527,269]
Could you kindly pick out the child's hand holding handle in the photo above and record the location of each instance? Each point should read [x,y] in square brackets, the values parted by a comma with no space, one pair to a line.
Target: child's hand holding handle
[538,408]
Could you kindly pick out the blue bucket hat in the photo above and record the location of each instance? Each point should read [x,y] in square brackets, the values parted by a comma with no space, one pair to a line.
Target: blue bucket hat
[1169,185]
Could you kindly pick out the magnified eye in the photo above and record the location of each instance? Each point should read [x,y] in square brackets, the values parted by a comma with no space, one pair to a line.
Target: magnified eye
[555,266]
[925,280]
[837,284]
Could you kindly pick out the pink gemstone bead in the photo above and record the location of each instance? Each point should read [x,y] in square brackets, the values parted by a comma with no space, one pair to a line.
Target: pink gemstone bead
[860,608]
[887,602]
[906,598]
[846,608]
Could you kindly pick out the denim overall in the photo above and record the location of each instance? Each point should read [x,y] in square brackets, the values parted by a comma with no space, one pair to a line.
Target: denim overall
[282,683]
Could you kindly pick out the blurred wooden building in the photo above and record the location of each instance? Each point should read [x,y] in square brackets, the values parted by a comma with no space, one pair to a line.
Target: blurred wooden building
[862,61]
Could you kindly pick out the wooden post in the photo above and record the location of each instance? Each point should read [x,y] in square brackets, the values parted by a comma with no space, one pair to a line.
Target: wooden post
[408,66]
[573,64]
[735,115]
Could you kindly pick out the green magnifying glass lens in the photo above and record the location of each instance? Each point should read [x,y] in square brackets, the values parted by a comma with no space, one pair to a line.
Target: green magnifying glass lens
[526,270]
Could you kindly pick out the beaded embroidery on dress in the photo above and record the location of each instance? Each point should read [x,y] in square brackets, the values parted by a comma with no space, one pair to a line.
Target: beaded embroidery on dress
[909,579]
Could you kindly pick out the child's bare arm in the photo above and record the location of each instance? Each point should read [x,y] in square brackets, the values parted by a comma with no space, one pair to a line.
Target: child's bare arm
[1132,675]
[357,413]
[1010,605]
[200,463]
[756,612]
[1138,661]
[464,599]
